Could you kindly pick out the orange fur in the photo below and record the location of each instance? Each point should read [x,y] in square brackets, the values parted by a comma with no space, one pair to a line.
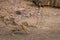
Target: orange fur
[23,28]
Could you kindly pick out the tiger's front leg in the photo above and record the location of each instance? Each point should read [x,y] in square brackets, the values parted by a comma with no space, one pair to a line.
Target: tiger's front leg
[23,27]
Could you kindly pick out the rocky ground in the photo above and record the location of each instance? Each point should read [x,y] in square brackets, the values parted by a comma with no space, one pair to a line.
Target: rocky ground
[46,20]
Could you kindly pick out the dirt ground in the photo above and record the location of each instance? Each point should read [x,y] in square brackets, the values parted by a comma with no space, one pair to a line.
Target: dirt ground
[48,26]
